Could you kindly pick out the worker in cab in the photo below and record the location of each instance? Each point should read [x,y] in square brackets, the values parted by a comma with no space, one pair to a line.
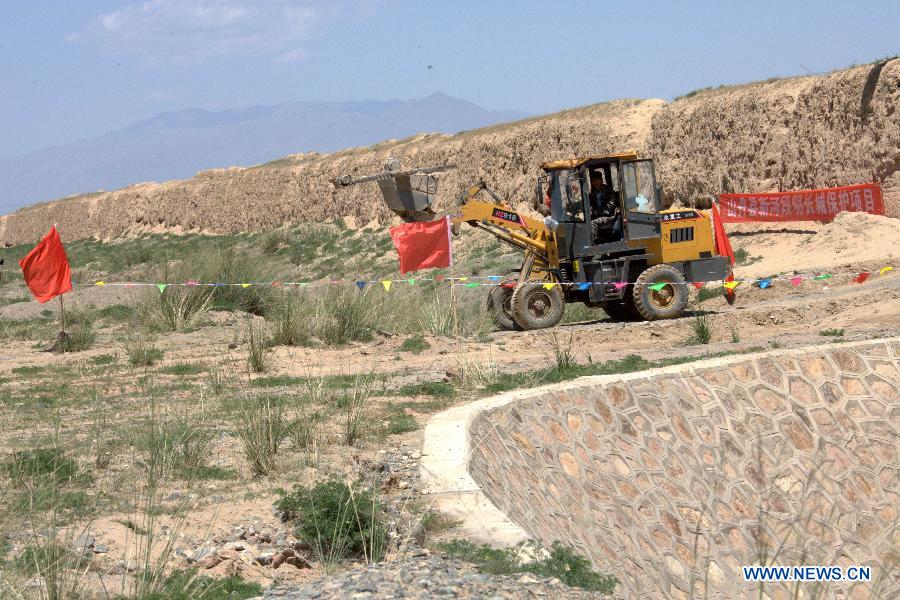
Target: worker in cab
[606,217]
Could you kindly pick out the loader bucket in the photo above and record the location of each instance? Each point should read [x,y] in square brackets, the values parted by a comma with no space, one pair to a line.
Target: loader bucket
[409,195]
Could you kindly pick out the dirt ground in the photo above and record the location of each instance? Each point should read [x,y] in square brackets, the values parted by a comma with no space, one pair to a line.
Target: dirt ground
[209,513]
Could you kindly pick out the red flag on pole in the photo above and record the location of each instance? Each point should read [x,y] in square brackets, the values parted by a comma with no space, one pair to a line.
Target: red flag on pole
[723,246]
[46,268]
[423,245]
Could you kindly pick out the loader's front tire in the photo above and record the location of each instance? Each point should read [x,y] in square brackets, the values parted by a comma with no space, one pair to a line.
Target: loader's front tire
[500,307]
[666,303]
[536,307]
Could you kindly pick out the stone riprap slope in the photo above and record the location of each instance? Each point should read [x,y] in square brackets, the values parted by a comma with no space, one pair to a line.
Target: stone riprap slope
[675,479]
[802,132]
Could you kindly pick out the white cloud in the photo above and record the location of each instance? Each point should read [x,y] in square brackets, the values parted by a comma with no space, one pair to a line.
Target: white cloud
[195,31]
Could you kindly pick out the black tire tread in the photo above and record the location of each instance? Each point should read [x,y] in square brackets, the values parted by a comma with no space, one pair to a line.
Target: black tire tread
[654,275]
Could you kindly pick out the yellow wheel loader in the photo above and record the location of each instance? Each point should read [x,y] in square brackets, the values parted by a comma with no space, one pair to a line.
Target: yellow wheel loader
[603,239]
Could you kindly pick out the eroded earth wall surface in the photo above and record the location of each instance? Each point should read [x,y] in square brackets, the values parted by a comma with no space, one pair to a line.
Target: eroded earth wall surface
[673,481]
[792,133]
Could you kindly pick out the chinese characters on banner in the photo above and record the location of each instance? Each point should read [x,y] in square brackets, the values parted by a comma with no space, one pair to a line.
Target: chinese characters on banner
[802,205]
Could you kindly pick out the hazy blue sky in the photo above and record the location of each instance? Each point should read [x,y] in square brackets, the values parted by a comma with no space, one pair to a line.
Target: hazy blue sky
[81,68]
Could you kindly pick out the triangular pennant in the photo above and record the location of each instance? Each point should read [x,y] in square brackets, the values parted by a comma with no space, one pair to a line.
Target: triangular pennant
[699,284]
[884,270]
[162,287]
[494,277]
[620,284]
[584,285]
[276,283]
[100,283]
[245,285]
[438,277]
[411,281]
[764,283]
[360,284]
[190,282]
[387,284]
[730,285]
[473,284]
[549,286]
[861,277]
[795,281]
[821,277]
[658,286]
[463,278]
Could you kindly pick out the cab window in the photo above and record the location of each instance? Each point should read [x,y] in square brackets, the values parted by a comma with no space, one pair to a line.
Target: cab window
[573,198]
[640,187]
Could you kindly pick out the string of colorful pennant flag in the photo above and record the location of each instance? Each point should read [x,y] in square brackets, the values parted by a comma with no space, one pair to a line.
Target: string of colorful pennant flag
[488,280]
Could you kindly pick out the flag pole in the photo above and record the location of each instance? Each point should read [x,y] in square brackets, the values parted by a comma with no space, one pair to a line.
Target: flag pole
[62,313]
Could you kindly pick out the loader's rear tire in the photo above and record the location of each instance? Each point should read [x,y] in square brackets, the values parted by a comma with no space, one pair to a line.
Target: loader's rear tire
[621,310]
[500,307]
[536,307]
[666,303]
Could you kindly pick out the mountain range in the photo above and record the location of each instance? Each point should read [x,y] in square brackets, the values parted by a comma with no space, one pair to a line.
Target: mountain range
[176,145]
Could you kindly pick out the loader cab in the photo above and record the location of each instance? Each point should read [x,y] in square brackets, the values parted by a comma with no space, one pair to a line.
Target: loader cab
[604,205]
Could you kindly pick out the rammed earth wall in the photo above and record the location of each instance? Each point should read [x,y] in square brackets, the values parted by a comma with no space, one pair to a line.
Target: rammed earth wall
[673,479]
[799,133]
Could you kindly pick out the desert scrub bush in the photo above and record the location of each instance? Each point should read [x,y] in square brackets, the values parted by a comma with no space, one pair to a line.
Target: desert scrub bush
[400,422]
[182,443]
[355,403]
[560,562]
[78,338]
[464,313]
[415,344]
[337,521]
[563,356]
[49,464]
[141,351]
[832,332]
[290,320]
[261,429]
[346,315]
[189,585]
[701,326]
[257,348]
[178,308]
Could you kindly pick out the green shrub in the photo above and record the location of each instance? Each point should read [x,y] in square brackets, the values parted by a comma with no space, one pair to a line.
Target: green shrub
[561,563]
[261,429]
[398,423]
[346,316]
[116,312]
[49,464]
[415,344]
[291,321]
[78,338]
[178,308]
[702,327]
[141,351]
[832,333]
[336,521]
[184,369]
[188,585]
[257,345]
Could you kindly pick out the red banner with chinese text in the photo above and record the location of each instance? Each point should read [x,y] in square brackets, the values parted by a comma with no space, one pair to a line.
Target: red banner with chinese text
[801,205]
